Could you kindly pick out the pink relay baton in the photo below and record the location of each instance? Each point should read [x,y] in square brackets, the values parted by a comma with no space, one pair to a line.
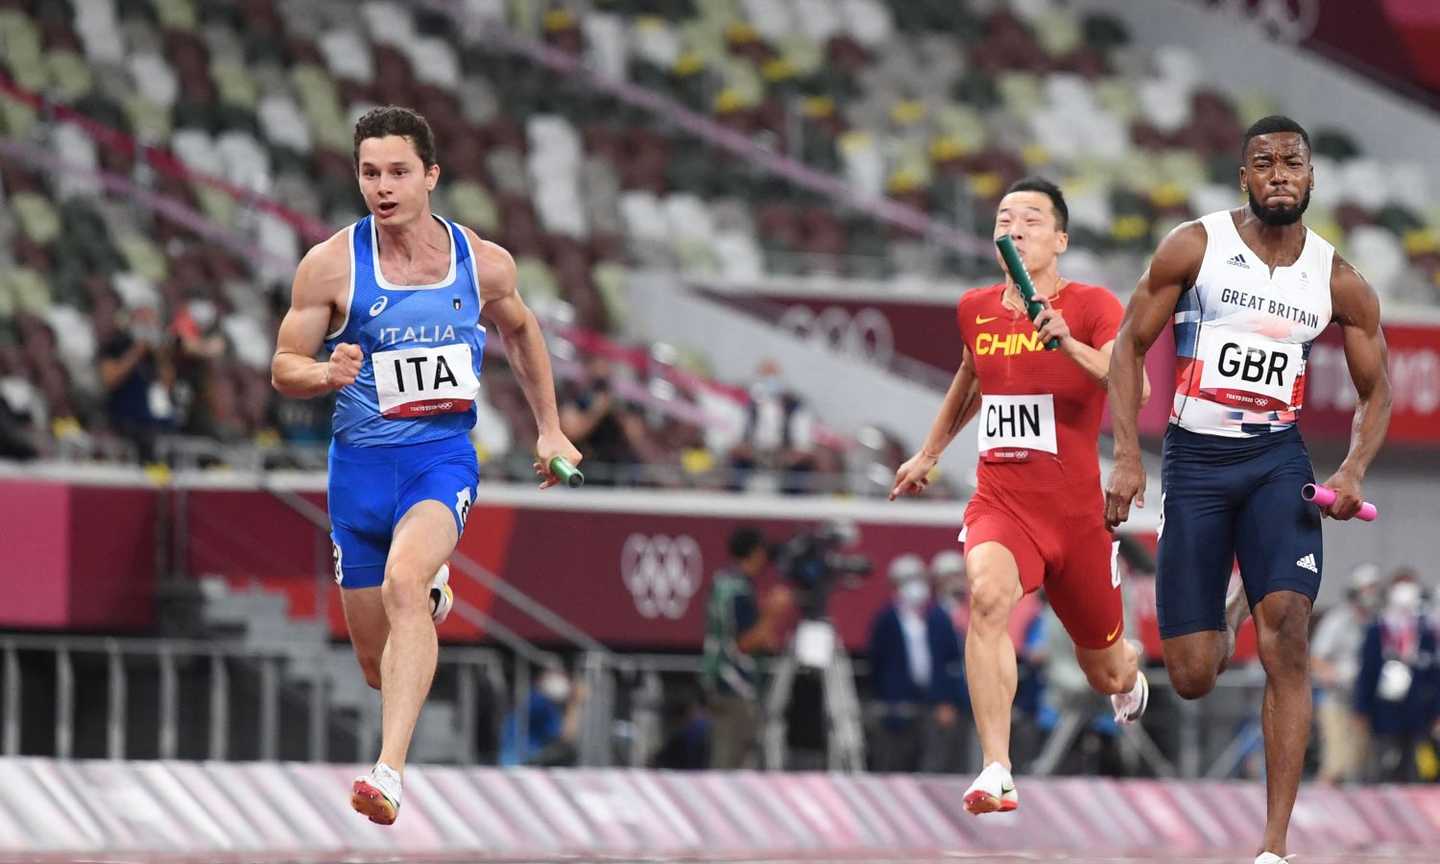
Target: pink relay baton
[1324,496]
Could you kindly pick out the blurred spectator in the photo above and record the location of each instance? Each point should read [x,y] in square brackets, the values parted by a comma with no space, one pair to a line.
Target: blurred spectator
[1067,708]
[1397,690]
[138,374]
[196,326]
[686,745]
[917,672]
[779,434]
[1335,663]
[552,723]
[952,591]
[491,434]
[736,629]
[304,421]
[22,411]
[200,370]
[1031,719]
[16,433]
[504,452]
[657,438]
[683,442]
[600,424]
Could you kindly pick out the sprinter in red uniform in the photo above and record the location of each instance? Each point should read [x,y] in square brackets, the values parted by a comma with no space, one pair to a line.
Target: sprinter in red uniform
[1038,516]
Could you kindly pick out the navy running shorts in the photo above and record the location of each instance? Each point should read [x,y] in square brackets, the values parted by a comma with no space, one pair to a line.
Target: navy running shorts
[371,488]
[1228,498]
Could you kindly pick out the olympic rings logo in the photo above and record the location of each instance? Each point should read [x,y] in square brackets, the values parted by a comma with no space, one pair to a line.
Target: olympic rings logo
[865,335]
[662,573]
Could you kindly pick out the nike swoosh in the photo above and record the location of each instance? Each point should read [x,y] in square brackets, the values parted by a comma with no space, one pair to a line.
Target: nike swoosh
[1006,790]
[981,319]
[1116,631]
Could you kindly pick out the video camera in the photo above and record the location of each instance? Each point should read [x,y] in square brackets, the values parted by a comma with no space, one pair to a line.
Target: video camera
[812,562]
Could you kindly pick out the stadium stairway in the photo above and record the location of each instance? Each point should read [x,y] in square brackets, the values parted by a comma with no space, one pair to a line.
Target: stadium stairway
[258,618]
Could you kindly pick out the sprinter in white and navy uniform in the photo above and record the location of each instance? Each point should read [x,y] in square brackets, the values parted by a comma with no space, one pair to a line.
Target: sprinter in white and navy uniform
[1233,462]
[402,428]
[404,364]
[1247,292]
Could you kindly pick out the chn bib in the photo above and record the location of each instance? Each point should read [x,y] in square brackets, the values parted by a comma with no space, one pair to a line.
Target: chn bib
[1012,426]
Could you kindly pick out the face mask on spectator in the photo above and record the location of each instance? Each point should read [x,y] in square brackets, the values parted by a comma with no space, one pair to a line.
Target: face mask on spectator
[202,312]
[1368,599]
[555,686]
[914,593]
[1404,599]
[145,332]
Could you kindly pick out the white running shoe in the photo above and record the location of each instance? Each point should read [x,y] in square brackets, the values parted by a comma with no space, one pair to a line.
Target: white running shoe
[1272,858]
[377,794]
[441,597]
[1130,707]
[992,792]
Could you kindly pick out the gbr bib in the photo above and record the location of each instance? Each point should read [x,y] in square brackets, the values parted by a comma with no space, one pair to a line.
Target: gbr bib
[1012,426]
[420,382]
[1249,372]
[1243,334]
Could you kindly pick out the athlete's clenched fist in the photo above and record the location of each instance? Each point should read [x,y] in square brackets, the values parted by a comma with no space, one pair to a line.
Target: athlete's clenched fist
[344,365]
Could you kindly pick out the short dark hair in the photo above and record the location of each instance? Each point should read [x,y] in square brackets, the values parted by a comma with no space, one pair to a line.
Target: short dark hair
[1269,126]
[394,120]
[1051,191]
[744,542]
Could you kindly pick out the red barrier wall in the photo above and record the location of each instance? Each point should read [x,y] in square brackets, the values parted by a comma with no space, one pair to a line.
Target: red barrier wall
[76,557]
[83,558]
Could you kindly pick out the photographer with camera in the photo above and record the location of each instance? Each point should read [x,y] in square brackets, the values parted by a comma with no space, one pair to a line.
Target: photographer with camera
[812,706]
[917,674]
[138,372]
[737,628]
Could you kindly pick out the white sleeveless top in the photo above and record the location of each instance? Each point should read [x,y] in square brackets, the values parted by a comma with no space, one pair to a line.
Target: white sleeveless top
[1243,334]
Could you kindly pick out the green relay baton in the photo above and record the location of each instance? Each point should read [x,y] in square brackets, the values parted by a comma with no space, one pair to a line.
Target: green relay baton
[568,474]
[1033,306]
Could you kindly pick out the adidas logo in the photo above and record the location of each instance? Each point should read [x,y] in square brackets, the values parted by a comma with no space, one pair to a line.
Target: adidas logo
[1239,261]
[1308,563]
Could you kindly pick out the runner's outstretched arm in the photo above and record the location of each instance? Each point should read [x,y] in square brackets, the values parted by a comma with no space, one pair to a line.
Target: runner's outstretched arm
[1151,307]
[526,351]
[1357,310]
[961,402]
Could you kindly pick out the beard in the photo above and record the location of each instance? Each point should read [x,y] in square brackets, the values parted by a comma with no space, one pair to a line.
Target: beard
[1279,215]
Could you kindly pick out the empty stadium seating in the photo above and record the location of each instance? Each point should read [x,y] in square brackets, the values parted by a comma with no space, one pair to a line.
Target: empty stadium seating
[240,114]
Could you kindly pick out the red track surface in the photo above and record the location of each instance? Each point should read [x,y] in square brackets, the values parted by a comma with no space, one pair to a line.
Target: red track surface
[1396,856]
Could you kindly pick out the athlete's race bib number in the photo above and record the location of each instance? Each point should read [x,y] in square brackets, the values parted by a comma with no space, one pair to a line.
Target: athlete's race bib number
[1249,372]
[1011,427]
[420,382]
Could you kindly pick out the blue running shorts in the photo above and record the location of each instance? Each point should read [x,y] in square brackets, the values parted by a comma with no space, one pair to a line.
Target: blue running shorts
[371,488]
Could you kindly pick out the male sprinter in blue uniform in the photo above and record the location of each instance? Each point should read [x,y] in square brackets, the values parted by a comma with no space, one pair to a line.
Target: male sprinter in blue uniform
[1248,290]
[396,298]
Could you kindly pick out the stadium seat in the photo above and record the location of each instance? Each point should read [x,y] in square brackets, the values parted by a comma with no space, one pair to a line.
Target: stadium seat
[935,106]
